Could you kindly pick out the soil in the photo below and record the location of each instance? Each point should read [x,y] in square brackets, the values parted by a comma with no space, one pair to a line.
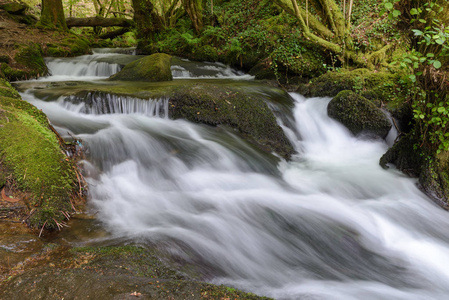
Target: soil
[14,32]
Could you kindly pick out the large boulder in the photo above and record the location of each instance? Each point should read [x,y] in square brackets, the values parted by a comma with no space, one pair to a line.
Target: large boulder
[30,63]
[214,105]
[14,8]
[358,114]
[155,67]
[372,85]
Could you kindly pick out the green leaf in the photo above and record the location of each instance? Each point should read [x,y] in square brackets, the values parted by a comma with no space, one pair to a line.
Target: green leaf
[417,32]
[437,64]
[422,21]
[430,55]
[396,13]
[413,11]
[441,110]
[389,5]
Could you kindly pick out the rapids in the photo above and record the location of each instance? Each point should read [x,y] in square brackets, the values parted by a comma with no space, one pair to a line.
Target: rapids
[329,224]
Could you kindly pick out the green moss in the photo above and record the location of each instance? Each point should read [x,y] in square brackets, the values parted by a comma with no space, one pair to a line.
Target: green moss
[374,85]
[13,74]
[155,67]
[214,105]
[72,45]
[31,151]
[31,57]
[358,114]
[6,90]
[14,8]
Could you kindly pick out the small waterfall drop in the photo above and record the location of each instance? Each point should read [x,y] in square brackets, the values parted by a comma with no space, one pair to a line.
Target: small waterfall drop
[329,224]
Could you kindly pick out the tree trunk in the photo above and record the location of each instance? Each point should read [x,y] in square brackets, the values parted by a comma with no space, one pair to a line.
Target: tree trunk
[194,9]
[98,21]
[52,14]
[114,34]
[147,21]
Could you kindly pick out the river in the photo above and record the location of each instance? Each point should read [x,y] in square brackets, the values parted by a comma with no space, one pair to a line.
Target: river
[329,224]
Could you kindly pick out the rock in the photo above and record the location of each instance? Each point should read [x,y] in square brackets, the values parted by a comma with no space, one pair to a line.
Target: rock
[127,272]
[220,105]
[151,68]
[14,8]
[372,85]
[413,161]
[358,114]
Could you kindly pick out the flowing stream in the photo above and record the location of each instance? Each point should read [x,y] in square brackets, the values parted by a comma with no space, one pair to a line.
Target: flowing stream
[329,224]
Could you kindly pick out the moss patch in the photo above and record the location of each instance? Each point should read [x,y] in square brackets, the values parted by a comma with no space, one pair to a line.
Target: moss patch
[29,64]
[155,67]
[380,86]
[358,114]
[219,105]
[31,151]
[107,273]
[72,45]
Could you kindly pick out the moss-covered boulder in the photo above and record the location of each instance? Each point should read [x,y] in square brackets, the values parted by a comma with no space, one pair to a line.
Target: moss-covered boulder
[29,64]
[14,8]
[381,86]
[358,114]
[433,172]
[220,105]
[69,46]
[43,177]
[151,68]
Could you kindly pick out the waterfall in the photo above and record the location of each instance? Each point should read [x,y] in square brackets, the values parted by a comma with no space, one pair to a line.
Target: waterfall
[329,224]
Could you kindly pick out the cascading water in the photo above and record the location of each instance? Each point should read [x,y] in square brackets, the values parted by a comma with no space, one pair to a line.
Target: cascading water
[329,224]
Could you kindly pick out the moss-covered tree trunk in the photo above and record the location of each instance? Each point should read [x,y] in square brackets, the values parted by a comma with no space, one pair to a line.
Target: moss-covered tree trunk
[330,29]
[194,9]
[52,14]
[148,22]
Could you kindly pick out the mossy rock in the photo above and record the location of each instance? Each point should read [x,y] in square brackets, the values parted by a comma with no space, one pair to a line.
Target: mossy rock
[68,47]
[30,149]
[6,90]
[373,85]
[220,105]
[151,68]
[433,173]
[31,57]
[359,115]
[262,71]
[123,272]
[404,157]
[31,64]
[14,8]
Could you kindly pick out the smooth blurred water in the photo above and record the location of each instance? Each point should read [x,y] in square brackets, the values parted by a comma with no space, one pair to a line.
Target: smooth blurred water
[329,224]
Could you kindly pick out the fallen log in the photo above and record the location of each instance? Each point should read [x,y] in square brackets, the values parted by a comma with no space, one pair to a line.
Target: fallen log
[98,21]
[115,33]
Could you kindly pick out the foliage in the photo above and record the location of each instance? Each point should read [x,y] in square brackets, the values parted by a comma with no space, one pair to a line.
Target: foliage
[428,78]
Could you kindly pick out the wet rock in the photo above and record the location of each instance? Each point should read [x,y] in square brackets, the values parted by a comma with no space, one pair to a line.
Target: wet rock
[151,68]
[359,115]
[108,273]
[220,105]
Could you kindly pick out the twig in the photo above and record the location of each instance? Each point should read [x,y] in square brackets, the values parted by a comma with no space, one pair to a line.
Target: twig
[40,233]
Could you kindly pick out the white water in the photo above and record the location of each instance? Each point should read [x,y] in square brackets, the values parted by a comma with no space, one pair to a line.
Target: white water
[100,66]
[185,69]
[86,66]
[330,224]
